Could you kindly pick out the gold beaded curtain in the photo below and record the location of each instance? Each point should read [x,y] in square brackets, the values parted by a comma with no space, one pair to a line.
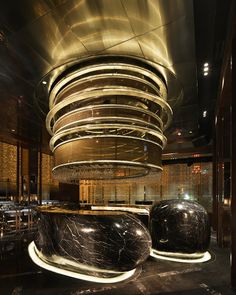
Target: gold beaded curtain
[8,166]
[8,171]
[48,182]
[188,182]
[8,162]
[176,181]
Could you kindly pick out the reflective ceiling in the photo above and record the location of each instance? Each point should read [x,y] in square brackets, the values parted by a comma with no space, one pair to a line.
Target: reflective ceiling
[39,36]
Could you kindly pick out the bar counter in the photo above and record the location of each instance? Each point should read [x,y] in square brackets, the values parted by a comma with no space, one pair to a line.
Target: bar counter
[93,242]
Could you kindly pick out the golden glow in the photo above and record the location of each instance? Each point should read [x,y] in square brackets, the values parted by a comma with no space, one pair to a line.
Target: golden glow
[102,67]
[116,276]
[181,257]
[119,90]
[89,127]
[82,118]
[123,208]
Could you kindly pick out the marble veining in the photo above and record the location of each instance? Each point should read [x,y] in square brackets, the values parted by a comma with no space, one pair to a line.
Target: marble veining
[118,242]
[179,227]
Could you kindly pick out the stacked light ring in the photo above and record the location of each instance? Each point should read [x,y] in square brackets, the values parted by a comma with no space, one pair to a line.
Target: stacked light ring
[107,119]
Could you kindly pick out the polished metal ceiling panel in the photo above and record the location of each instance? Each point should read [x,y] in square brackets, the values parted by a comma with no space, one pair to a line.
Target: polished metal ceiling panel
[53,40]
[145,16]
[39,36]
[80,28]
[128,47]
[97,24]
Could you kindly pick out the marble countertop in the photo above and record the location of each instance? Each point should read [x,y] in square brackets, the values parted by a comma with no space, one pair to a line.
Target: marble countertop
[61,210]
[130,209]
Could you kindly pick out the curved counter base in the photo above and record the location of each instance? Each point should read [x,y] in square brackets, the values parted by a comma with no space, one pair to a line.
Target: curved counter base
[179,228]
[180,257]
[102,244]
[82,272]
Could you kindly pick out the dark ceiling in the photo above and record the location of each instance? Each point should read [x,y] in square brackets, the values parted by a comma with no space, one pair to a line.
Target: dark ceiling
[38,36]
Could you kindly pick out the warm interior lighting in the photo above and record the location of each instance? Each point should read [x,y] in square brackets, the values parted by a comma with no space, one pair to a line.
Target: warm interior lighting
[186,258]
[196,169]
[186,197]
[179,133]
[123,208]
[227,202]
[116,276]
[190,132]
[107,118]
[204,114]
[44,82]
[206,69]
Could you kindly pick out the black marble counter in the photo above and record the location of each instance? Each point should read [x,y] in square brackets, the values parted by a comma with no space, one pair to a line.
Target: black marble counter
[139,211]
[107,240]
[179,227]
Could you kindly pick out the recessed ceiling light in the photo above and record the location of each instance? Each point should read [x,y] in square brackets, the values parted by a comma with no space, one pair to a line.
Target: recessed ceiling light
[179,133]
[13,130]
[44,82]
[206,64]
[190,132]
[205,74]
[204,114]
[206,69]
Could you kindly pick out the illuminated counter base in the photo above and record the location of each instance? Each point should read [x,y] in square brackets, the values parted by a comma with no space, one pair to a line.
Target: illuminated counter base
[93,244]
[75,270]
[180,257]
[179,229]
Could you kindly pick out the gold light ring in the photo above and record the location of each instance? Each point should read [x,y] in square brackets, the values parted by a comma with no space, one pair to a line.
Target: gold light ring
[111,106]
[61,134]
[104,76]
[106,136]
[99,67]
[108,119]
[108,92]
[120,162]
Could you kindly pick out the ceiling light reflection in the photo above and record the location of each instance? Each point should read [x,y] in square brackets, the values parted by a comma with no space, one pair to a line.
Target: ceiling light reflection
[87,230]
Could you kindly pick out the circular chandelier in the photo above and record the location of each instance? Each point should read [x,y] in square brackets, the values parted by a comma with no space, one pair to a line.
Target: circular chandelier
[107,117]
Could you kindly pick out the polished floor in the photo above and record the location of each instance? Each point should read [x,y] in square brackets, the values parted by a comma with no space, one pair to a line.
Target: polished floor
[18,275]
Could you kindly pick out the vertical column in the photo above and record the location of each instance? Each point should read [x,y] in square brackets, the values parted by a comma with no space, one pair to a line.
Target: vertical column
[18,173]
[40,175]
[33,171]
[220,180]
[31,174]
[25,173]
[215,182]
[233,168]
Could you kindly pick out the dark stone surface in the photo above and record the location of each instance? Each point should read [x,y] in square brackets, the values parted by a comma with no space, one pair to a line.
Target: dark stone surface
[179,226]
[108,241]
[19,274]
